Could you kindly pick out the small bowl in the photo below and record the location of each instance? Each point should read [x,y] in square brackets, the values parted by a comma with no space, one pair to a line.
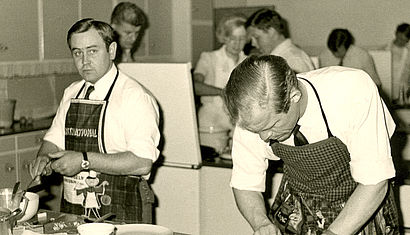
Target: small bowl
[96,228]
[32,206]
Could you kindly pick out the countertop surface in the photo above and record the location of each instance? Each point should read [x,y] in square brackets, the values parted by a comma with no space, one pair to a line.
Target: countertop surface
[38,124]
[53,222]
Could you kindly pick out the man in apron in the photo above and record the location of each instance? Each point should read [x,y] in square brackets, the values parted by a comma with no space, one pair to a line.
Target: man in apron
[104,137]
[338,181]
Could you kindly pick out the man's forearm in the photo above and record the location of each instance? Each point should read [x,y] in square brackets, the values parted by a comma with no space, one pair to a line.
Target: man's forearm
[361,205]
[124,163]
[252,206]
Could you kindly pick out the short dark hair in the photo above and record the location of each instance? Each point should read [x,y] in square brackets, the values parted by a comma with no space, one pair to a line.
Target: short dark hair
[266,18]
[104,30]
[338,38]
[260,80]
[404,28]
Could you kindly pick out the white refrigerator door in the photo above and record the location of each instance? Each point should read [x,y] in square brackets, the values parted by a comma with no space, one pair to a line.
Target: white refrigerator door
[171,84]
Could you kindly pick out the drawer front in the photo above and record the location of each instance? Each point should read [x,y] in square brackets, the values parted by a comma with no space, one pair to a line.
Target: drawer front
[24,159]
[7,144]
[8,170]
[30,140]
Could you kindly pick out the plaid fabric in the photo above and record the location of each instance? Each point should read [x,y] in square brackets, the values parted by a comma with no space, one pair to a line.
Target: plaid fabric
[82,116]
[320,168]
[124,196]
[319,176]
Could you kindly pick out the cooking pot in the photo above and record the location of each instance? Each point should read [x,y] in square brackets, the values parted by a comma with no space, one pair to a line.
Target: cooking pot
[214,137]
[7,203]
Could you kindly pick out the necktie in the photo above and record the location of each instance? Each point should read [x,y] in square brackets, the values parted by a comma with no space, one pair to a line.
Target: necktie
[298,137]
[89,90]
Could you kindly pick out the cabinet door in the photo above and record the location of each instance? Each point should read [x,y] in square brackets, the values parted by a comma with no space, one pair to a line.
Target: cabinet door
[19,31]
[96,9]
[160,29]
[8,170]
[27,148]
[24,159]
[59,16]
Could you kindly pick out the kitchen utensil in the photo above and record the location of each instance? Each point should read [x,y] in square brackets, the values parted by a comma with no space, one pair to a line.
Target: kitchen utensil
[15,188]
[102,218]
[20,201]
[7,220]
[30,183]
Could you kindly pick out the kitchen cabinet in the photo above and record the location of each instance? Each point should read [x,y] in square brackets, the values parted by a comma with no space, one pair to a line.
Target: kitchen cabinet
[202,28]
[16,152]
[197,201]
[19,38]
[218,211]
[96,9]
[58,16]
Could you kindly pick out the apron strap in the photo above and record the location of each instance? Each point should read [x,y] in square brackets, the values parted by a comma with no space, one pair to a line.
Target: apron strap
[111,88]
[329,133]
[105,109]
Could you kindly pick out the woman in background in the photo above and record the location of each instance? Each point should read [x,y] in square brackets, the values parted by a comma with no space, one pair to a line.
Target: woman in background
[129,22]
[213,69]
[342,51]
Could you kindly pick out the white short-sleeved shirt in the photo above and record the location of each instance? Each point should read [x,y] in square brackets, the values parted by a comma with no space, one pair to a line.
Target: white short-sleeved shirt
[297,59]
[356,115]
[216,66]
[131,121]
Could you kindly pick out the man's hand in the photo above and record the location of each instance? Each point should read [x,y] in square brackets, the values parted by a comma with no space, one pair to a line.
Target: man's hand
[66,162]
[268,229]
[40,166]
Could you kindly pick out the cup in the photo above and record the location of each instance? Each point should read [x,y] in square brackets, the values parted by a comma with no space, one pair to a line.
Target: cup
[96,228]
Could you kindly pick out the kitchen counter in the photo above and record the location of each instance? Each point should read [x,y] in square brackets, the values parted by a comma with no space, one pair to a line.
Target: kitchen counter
[38,124]
[216,162]
[53,222]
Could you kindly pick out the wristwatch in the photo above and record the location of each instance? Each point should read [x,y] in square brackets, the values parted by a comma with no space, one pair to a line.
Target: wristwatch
[85,164]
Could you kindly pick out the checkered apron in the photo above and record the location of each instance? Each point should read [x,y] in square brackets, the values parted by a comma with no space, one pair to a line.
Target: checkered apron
[317,180]
[124,196]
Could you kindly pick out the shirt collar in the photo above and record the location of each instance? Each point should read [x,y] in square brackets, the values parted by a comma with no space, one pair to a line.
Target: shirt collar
[283,46]
[103,84]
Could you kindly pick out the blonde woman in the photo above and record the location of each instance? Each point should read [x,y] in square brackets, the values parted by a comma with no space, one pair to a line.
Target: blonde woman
[214,68]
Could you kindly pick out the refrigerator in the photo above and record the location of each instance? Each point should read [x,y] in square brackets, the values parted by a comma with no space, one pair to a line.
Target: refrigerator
[176,176]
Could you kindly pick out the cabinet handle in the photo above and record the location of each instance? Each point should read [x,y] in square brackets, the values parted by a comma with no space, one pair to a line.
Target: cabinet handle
[39,140]
[9,168]
[3,47]
[26,166]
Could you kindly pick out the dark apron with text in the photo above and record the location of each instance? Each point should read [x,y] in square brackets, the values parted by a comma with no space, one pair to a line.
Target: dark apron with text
[315,186]
[124,196]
